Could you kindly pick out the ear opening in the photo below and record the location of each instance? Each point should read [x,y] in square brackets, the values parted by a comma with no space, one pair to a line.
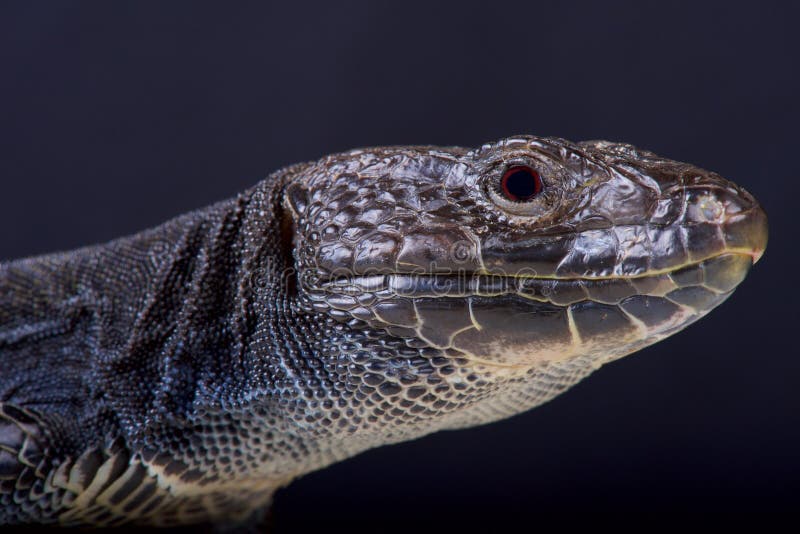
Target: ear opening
[294,205]
[296,198]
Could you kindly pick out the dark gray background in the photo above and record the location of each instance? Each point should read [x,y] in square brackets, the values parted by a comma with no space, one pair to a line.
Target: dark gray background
[116,116]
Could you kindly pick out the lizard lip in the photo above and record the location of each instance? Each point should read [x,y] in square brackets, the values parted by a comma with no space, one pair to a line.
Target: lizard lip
[716,275]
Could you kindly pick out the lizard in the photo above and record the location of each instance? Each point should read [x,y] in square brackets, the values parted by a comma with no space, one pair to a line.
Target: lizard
[183,374]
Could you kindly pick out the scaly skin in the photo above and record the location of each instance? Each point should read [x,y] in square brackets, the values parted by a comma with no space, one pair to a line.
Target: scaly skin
[183,374]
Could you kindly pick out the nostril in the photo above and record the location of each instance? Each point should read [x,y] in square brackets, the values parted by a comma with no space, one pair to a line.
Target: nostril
[716,204]
[706,207]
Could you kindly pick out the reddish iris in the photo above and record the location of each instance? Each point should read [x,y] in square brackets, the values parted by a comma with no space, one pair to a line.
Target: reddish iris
[520,183]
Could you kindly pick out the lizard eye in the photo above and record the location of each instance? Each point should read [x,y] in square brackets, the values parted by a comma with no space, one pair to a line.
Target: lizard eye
[520,183]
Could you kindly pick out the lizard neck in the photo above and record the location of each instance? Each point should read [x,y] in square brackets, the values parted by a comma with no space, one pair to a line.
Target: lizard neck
[144,327]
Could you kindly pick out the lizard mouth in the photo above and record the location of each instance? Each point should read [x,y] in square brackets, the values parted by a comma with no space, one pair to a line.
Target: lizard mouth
[691,284]
[548,299]
[518,318]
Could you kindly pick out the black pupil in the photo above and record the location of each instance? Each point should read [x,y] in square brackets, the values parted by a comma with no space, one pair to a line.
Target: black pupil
[521,184]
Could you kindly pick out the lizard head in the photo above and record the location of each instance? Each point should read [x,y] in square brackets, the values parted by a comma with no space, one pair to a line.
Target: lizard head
[523,252]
